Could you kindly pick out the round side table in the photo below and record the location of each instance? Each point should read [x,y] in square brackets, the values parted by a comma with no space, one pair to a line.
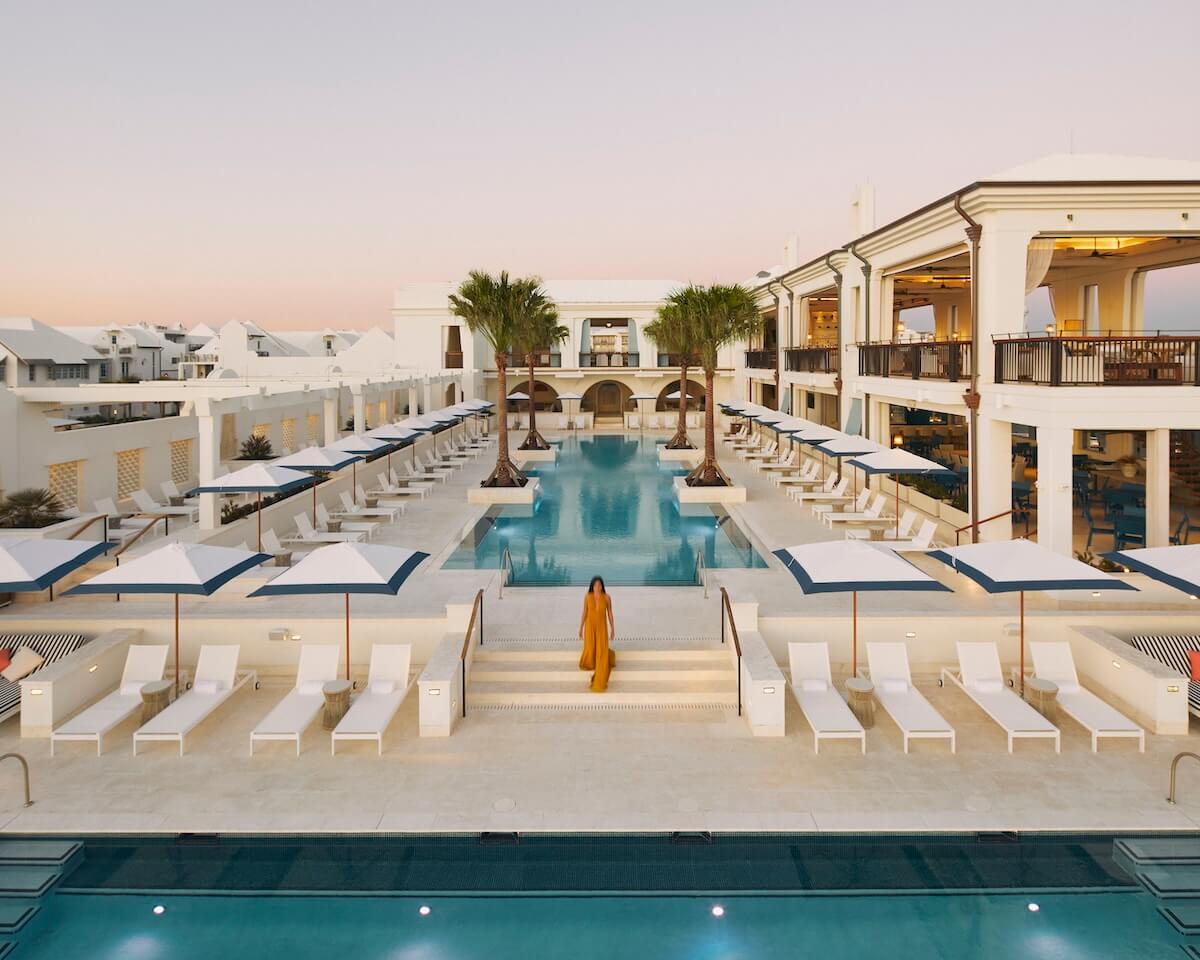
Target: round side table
[155,697]
[371,502]
[334,526]
[337,702]
[1043,694]
[862,700]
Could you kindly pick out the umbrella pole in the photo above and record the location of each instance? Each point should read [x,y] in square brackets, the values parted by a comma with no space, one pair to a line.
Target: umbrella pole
[258,514]
[1022,643]
[176,644]
[347,636]
[314,504]
[896,490]
[354,478]
[854,630]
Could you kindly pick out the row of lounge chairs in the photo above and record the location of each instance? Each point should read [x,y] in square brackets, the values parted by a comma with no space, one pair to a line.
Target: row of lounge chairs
[217,678]
[979,676]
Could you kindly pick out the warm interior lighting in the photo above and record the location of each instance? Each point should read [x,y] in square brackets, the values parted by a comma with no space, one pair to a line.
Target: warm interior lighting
[1172,688]
[36,693]
[1050,329]
[898,440]
[911,635]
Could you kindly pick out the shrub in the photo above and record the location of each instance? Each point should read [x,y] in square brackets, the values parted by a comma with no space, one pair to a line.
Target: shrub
[30,508]
[255,447]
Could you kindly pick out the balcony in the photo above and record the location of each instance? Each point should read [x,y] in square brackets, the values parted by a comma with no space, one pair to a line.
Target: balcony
[675,360]
[948,360]
[541,358]
[762,359]
[608,360]
[811,360]
[453,360]
[1100,361]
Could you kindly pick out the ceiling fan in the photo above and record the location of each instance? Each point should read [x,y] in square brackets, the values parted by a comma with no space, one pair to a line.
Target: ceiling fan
[1100,254]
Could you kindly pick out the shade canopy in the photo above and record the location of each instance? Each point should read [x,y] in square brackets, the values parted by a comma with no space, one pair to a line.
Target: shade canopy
[258,478]
[1178,566]
[393,433]
[817,434]
[360,444]
[643,396]
[895,460]
[845,566]
[188,568]
[849,445]
[570,396]
[734,405]
[445,416]
[770,416]
[478,404]
[346,568]
[791,425]
[421,424]
[324,459]
[28,565]
[1009,566]
[518,395]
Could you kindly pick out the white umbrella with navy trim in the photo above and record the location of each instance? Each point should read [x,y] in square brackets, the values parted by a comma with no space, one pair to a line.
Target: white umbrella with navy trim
[364,447]
[346,568]
[1015,566]
[258,479]
[29,565]
[895,461]
[1177,566]
[193,569]
[853,567]
[317,460]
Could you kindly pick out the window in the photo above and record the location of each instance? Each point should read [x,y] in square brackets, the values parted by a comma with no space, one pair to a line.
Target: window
[104,371]
[68,371]
[262,430]
[129,472]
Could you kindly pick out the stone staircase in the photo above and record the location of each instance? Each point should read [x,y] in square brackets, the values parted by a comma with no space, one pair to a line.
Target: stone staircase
[1168,868]
[29,872]
[651,673]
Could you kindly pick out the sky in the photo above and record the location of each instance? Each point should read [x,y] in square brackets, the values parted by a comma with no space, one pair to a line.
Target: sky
[290,162]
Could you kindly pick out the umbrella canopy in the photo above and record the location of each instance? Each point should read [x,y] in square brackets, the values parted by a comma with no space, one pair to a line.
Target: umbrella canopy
[361,444]
[770,416]
[791,425]
[478,404]
[393,433]
[849,445]
[28,565]
[346,568]
[570,396]
[518,395]
[1177,566]
[818,434]
[643,396]
[195,569]
[1014,566]
[895,460]
[853,566]
[323,459]
[258,479]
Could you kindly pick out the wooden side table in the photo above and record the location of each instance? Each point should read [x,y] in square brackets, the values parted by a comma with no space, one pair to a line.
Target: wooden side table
[1043,694]
[337,702]
[862,700]
[155,697]
[334,526]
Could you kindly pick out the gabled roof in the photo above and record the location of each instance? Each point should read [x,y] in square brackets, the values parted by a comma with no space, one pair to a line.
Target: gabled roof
[1099,167]
[31,340]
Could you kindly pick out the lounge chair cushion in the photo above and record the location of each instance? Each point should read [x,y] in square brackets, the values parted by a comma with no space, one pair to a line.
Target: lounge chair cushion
[989,686]
[207,686]
[814,686]
[131,689]
[5,658]
[310,687]
[24,662]
[382,686]
[894,686]
[1193,662]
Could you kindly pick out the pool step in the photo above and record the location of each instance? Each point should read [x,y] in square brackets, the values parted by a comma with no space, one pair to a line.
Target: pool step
[50,852]
[1169,869]
[656,671]
[1148,851]
[14,915]
[1183,915]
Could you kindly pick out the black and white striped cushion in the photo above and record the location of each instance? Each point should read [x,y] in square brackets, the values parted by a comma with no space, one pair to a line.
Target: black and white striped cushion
[1172,652]
[51,646]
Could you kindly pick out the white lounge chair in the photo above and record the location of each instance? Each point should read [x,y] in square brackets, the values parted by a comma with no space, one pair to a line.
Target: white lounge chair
[147,504]
[785,462]
[979,676]
[387,686]
[361,511]
[912,713]
[307,533]
[835,494]
[581,422]
[652,422]
[271,545]
[822,706]
[903,530]
[759,453]
[215,681]
[430,464]
[295,713]
[858,506]
[365,527]
[170,490]
[1052,660]
[450,453]
[434,461]
[634,422]
[740,435]
[806,477]
[143,664]
[415,475]
[394,486]
[871,515]
[564,423]
[923,540]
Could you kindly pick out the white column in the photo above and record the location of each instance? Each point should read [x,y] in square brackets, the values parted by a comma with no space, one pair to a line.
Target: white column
[1055,517]
[994,478]
[427,393]
[1158,488]
[413,401]
[330,404]
[209,440]
[356,396]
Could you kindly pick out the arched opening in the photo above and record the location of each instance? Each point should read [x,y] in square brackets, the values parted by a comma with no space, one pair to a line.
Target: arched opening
[606,400]
[544,396]
[451,396]
[668,397]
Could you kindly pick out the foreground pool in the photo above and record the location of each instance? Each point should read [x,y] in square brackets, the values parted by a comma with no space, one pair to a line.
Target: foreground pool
[607,508]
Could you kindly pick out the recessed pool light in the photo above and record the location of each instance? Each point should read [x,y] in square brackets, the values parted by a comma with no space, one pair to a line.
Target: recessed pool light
[1033,908]
[424,910]
[718,910]
[1095,593]
[159,909]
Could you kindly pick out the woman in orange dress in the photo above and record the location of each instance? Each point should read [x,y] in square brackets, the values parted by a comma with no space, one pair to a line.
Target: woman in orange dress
[595,627]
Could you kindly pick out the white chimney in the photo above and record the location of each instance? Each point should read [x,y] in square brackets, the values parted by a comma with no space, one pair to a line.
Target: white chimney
[791,252]
[862,210]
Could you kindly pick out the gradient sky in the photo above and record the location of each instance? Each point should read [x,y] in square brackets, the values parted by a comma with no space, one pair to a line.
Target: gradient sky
[290,163]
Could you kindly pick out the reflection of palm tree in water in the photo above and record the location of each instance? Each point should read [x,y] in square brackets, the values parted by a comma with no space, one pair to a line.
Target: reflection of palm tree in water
[609,512]
[549,572]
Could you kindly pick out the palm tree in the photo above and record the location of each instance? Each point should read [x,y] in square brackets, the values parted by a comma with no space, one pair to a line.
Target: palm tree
[486,305]
[672,332]
[537,328]
[30,508]
[724,314]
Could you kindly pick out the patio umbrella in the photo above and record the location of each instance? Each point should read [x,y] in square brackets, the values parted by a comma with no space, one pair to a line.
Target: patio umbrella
[258,479]
[1177,566]
[317,460]
[638,398]
[195,569]
[346,568]
[1014,566]
[847,445]
[895,461]
[424,426]
[29,565]
[565,397]
[363,446]
[852,566]
[396,435]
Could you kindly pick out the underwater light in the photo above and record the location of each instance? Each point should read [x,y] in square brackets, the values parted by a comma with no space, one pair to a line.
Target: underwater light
[1034,908]
[718,910]
[424,910]
[159,909]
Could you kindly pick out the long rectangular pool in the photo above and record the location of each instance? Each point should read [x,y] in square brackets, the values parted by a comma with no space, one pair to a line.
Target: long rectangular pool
[607,508]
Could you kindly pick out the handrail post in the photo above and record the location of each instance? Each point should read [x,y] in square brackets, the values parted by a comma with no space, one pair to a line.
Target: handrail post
[1174,768]
[25,769]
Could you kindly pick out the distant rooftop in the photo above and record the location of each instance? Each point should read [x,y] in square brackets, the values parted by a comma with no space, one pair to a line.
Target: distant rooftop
[31,340]
[1101,166]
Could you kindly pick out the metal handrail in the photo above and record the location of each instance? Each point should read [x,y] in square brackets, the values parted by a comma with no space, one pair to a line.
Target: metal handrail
[91,523]
[727,610]
[476,616]
[506,568]
[25,768]
[154,518]
[701,573]
[978,523]
[1174,767]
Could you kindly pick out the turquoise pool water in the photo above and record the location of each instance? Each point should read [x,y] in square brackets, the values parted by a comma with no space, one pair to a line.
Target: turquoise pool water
[607,508]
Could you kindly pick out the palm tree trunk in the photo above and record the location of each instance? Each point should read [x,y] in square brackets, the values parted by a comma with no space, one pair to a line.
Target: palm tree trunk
[533,439]
[680,441]
[708,474]
[505,474]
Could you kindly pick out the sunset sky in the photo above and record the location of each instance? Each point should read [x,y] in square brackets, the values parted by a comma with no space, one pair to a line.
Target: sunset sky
[290,163]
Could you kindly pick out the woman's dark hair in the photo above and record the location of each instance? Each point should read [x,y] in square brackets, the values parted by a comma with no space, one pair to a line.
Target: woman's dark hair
[593,584]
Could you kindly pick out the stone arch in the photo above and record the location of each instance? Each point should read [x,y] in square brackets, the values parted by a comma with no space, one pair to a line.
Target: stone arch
[544,395]
[695,393]
[606,398]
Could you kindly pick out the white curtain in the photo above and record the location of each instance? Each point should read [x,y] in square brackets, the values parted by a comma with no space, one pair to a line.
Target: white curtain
[1037,262]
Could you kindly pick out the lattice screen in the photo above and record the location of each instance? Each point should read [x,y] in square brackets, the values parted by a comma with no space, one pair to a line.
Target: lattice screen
[262,430]
[314,428]
[383,415]
[181,461]
[229,446]
[129,472]
[65,482]
[287,431]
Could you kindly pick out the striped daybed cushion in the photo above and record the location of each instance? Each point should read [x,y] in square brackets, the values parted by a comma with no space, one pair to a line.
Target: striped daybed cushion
[1172,652]
[52,646]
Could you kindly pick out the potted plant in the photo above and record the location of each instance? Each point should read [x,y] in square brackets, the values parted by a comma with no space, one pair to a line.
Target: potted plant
[1129,466]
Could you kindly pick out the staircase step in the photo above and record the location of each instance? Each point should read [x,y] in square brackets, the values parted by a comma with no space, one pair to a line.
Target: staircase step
[1153,851]
[14,914]
[27,881]
[1183,915]
[1170,882]
[56,852]
[668,672]
[570,654]
[586,700]
[1192,951]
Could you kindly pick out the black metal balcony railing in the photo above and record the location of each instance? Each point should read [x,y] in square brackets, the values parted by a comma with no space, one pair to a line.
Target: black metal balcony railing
[918,360]
[608,360]
[811,359]
[675,360]
[541,358]
[762,359]
[1121,361]
[454,360]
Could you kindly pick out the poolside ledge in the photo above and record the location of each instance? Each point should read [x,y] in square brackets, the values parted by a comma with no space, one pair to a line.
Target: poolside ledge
[686,494]
[690,457]
[529,456]
[525,494]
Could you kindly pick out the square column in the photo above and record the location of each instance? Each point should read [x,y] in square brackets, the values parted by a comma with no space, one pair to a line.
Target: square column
[330,405]
[994,472]
[1055,500]
[413,401]
[209,442]
[427,393]
[360,416]
[1158,488]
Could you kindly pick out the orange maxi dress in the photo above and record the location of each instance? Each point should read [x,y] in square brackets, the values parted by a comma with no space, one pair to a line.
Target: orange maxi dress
[596,655]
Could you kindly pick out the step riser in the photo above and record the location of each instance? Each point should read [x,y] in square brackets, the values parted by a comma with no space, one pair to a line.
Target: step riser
[571,654]
[611,698]
[573,676]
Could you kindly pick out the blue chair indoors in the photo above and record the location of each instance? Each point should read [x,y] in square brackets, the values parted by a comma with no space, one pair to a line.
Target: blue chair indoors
[1129,531]
[1093,529]
[1183,531]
